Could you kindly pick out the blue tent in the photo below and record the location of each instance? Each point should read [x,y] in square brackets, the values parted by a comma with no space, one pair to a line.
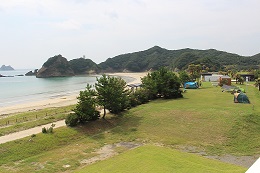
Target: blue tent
[191,85]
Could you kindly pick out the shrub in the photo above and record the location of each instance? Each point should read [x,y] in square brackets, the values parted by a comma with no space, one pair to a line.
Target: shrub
[72,120]
[162,83]
[142,96]
[44,130]
[138,97]
[50,130]
[133,100]
[95,116]
[86,107]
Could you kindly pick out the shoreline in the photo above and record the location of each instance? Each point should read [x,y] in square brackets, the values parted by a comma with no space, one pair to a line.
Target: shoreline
[61,101]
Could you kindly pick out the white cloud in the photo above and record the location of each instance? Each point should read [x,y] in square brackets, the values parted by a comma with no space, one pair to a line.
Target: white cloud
[104,28]
[68,24]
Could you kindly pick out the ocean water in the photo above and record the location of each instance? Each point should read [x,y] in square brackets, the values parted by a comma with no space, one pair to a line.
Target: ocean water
[21,89]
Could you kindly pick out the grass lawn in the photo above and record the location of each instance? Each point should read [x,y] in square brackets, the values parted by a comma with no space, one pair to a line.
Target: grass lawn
[159,159]
[205,120]
[22,121]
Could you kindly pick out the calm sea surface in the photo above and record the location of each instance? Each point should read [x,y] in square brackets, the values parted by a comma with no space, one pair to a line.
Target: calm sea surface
[22,89]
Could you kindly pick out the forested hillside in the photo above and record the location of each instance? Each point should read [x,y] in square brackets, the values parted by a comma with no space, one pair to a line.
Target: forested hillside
[156,57]
[82,66]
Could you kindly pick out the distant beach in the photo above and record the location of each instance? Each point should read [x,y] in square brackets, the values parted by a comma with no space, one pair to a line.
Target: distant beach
[64,99]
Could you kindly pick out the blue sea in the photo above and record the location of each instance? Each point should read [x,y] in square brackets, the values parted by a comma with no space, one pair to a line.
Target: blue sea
[21,89]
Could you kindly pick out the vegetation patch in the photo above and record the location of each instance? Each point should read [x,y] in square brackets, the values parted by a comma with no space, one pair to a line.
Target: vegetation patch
[22,121]
[244,135]
[159,159]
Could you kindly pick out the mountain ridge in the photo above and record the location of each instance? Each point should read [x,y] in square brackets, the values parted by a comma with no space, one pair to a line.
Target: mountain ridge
[156,57]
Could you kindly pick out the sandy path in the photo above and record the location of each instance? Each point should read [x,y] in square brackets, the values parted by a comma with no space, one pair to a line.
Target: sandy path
[57,102]
[28,132]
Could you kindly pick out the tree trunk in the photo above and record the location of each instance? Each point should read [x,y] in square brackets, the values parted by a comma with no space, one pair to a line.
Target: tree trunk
[104,113]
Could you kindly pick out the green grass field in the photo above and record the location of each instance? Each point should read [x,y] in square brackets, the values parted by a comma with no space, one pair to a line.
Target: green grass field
[159,159]
[22,121]
[205,120]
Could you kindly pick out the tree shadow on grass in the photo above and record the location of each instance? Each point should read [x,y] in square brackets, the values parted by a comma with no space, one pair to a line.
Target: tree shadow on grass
[121,123]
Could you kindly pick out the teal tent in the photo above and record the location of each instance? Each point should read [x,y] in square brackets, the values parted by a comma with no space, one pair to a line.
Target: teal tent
[191,85]
[241,98]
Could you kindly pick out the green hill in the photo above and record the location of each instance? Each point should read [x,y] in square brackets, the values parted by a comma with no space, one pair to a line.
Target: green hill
[82,66]
[155,57]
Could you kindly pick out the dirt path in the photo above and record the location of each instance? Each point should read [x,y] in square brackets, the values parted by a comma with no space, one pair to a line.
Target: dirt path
[108,151]
[29,132]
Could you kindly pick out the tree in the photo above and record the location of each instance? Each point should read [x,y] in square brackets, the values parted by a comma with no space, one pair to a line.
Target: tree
[237,77]
[256,74]
[194,71]
[257,83]
[241,80]
[184,77]
[149,84]
[112,94]
[162,83]
[86,107]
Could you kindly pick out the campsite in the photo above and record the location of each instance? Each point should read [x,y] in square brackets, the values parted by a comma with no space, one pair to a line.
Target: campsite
[205,123]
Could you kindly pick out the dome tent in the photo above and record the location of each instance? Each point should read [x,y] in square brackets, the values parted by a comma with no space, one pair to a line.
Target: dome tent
[241,97]
[191,85]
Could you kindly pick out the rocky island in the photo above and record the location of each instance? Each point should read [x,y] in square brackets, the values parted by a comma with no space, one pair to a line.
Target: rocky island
[56,66]
[32,73]
[6,68]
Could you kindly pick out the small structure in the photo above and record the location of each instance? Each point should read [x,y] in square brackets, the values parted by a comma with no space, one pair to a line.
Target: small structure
[203,75]
[213,78]
[225,80]
[191,85]
[250,77]
[134,86]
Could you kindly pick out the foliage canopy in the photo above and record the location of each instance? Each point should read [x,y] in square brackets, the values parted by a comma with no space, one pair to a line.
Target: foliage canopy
[162,83]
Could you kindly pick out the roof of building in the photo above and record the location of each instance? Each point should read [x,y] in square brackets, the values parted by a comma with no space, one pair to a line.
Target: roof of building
[225,77]
[135,85]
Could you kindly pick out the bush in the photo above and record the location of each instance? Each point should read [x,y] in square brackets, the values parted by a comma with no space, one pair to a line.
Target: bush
[142,96]
[133,100]
[86,107]
[44,130]
[95,116]
[50,130]
[162,83]
[138,97]
[72,120]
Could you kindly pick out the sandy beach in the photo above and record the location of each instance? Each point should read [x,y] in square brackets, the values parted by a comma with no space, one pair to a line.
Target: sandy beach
[60,101]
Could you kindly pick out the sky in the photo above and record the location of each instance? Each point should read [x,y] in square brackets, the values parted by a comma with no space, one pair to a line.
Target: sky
[31,31]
